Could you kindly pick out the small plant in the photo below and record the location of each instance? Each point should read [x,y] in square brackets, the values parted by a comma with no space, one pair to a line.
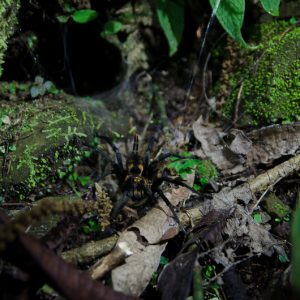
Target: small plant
[230,14]
[257,218]
[81,16]
[205,170]
[91,226]
[209,271]
[111,27]
[41,87]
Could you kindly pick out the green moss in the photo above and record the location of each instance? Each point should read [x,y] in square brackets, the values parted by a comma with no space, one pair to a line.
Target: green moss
[8,21]
[42,133]
[270,92]
[275,206]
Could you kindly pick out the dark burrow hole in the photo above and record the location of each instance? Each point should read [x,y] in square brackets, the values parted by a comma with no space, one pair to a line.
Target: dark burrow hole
[73,56]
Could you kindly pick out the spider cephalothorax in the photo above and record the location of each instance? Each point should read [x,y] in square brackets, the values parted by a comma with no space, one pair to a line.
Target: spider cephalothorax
[139,179]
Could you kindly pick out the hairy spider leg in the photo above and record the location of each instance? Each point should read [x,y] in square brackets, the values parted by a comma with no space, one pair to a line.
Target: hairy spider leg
[119,204]
[177,181]
[135,148]
[116,168]
[151,195]
[149,151]
[115,149]
[169,204]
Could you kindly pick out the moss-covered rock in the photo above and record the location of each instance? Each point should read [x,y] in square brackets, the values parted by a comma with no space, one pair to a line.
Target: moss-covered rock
[39,140]
[268,86]
[8,21]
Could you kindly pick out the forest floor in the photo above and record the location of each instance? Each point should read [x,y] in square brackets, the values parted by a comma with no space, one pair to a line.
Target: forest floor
[232,241]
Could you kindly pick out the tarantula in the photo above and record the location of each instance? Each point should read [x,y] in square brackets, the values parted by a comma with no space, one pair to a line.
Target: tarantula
[138,179]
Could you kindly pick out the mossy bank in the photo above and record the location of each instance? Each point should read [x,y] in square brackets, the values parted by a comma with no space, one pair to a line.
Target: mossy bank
[266,88]
[40,140]
[8,21]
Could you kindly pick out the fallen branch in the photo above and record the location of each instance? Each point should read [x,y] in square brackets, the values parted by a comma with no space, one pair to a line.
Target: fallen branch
[90,251]
[228,197]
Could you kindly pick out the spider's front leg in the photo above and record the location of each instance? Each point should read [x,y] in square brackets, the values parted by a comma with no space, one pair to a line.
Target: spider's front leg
[149,151]
[115,149]
[169,204]
[177,181]
[151,191]
[115,166]
[120,204]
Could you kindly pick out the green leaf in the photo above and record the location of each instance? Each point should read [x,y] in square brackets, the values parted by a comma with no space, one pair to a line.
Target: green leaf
[62,18]
[191,163]
[13,88]
[12,148]
[73,176]
[84,180]
[34,92]
[91,226]
[271,7]
[171,18]
[183,174]
[154,276]
[283,259]
[1,119]
[230,14]
[203,181]
[177,166]
[48,85]
[83,16]
[292,20]
[111,27]
[209,271]
[87,153]
[163,260]
[196,187]
[61,174]
[86,229]
[257,218]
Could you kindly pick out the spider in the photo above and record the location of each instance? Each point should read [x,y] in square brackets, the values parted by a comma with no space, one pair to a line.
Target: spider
[138,178]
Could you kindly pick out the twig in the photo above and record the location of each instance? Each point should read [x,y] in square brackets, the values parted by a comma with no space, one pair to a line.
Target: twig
[90,251]
[143,135]
[238,101]
[261,182]
[251,209]
[114,259]
[227,198]
[227,268]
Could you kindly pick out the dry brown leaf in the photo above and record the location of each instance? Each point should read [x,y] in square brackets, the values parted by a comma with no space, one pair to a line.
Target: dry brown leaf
[175,280]
[142,238]
[234,151]
[272,142]
[256,236]
[210,138]
[259,238]
[208,231]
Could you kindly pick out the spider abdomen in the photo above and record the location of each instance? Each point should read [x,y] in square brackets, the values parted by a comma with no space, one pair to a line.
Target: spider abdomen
[136,186]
